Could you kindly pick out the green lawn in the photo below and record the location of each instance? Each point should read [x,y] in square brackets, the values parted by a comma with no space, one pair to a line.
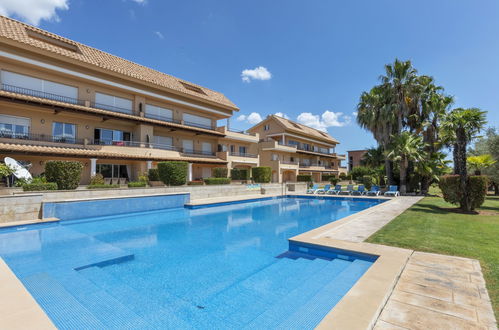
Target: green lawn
[426,226]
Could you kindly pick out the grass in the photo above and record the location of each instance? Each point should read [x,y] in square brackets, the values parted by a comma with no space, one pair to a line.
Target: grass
[429,226]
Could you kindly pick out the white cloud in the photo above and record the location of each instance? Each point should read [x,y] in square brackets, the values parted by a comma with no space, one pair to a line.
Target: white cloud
[354,113]
[281,114]
[140,2]
[33,11]
[322,122]
[159,35]
[258,73]
[253,118]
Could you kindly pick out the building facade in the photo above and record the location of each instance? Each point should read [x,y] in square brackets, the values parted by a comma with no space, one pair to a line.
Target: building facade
[290,149]
[60,99]
[354,158]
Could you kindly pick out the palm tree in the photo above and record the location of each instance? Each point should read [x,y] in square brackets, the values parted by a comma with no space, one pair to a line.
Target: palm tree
[374,157]
[405,147]
[460,127]
[478,163]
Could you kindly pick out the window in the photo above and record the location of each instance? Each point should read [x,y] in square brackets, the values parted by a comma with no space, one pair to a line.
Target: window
[11,126]
[192,88]
[275,157]
[293,143]
[158,112]
[113,103]
[292,159]
[242,150]
[296,125]
[51,40]
[197,121]
[307,146]
[188,146]
[232,148]
[266,127]
[113,171]
[165,141]
[207,148]
[64,132]
[112,137]
[324,150]
[306,161]
[19,83]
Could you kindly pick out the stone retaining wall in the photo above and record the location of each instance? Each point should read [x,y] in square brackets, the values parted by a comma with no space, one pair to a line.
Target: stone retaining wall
[27,206]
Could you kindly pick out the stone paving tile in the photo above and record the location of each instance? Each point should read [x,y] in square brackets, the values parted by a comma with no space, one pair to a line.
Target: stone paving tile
[382,325]
[439,292]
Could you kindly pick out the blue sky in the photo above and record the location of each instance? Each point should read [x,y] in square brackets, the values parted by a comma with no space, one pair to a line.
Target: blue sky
[312,58]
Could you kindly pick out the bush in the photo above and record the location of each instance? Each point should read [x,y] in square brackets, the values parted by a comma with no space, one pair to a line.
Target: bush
[103,186]
[220,172]
[334,180]
[239,174]
[173,173]
[358,172]
[476,186]
[66,174]
[144,177]
[97,179]
[195,183]
[304,178]
[327,177]
[367,181]
[216,180]
[137,184]
[36,186]
[154,174]
[262,174]
[343,176]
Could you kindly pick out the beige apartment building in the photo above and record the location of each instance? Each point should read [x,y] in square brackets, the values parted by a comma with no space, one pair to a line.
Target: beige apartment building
[290,148]
[60,99]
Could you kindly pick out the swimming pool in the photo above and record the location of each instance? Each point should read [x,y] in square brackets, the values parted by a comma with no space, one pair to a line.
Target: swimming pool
[218,266]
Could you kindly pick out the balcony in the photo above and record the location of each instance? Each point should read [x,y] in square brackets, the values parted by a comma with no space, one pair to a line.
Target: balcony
[239,154]
[163,118]
[39,137]
[196,152]
[40,94]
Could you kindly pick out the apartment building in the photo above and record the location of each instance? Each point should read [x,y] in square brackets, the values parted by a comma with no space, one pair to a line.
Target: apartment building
[355,158]
[60,99]
[290,148]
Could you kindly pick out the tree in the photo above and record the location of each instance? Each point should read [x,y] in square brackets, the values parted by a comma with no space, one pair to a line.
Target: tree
[404,148]
[374,157]
[489,144]
[5,171]
[479,163]
[460,127]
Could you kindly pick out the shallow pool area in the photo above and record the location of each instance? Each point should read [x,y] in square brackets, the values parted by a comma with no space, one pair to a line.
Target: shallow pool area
[217,266]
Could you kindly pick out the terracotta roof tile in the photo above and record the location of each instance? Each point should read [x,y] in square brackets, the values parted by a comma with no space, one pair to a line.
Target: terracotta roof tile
[18,31]
[304,130]
[90,153]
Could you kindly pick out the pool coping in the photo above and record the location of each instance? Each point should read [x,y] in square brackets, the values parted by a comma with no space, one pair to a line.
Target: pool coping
[358,309]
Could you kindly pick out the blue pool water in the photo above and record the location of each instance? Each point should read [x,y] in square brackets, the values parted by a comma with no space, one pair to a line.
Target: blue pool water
[225,266]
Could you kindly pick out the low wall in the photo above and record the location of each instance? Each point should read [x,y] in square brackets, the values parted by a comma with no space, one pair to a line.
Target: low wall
[71,210]
[21,205]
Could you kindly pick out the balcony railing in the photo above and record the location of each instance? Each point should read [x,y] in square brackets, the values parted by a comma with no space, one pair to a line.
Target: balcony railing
[39,137]
[241,154]
[312,150]
[162,118]
[197,152]
[111,108]
[310,165]
[189,123]
[44,95]
[118,143]
[288,162]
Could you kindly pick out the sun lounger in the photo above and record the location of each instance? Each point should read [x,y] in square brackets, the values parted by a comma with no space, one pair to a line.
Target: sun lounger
[374,191]
[323,190]
[335,191]
[361,190]
[313,189]
[348,191]
[392,191]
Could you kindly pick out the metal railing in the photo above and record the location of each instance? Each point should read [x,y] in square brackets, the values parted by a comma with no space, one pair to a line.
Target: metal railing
[162,118]
[312,150]
[111,108]
[244,154]
[41,94]
[118,143]
[189,123]
[39,137]
[196,152]
[311,165]
[288,162]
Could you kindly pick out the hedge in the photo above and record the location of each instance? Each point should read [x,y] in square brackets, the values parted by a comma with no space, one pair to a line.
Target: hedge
[476,186]
[216,180]
[173,173]
[220,172]
[66,174]
[137,184]
[40,186]
[195,183]
[304,178]
[154,174]
[262,174]
[103,186]
[240,174]
[328,177]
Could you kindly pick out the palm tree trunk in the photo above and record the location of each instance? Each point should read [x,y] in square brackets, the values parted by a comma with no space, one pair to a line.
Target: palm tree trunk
[388,170]
[425,185]
[403,176]
[455,158]
[461,164]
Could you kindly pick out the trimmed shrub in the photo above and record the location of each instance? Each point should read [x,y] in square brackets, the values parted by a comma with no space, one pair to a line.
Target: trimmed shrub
[476,185]
[154,174]
[143,177]
[66,174]
[262,174]
[216,180]
[220,172]
[304,178]
[343,176]
[367,181]
[195,183]
[327,177]
[103,186]
[40,186]
[334,180]
[239,174]
[137,184]
[173,173]
[97,179]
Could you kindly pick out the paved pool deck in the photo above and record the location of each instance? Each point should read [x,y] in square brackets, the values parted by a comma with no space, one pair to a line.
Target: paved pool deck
[404,289]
